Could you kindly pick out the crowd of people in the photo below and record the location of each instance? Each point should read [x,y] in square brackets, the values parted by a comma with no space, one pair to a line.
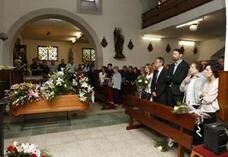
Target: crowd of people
[195,84]
[43,68]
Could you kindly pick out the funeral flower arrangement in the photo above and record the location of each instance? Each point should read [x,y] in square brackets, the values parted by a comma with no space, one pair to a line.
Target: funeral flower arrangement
[82,84]
[25,150]
[59,83]
[19,94]
[64,82]
[180,108]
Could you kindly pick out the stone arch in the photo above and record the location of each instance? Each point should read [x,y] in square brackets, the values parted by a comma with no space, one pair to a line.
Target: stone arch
[33,16]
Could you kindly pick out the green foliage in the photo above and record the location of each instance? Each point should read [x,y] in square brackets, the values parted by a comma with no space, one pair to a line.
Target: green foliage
[141,82]
[162,145]
[180,108]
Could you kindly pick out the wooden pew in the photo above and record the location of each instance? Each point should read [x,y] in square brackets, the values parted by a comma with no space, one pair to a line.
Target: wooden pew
[161,119]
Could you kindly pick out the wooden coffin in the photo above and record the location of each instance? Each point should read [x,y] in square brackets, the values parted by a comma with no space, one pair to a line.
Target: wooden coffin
[63,103]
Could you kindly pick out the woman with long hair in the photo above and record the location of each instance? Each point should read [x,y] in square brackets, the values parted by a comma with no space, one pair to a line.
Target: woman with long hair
[146,93]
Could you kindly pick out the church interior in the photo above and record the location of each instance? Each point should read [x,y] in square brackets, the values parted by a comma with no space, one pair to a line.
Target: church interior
[123,78]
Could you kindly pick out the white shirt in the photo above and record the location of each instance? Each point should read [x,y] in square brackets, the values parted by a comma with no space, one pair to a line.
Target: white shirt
[176,65]
[150,78]
[102,77]
[116,81]
[210,97]
[159,72]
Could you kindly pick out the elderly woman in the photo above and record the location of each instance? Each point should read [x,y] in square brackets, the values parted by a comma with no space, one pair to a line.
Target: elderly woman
[191,86]
[208,100]
[209,93]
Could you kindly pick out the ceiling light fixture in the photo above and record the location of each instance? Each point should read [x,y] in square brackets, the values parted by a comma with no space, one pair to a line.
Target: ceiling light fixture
[73,40]
[197,21]
[193,27]
[78,35]
[187,43]
[151,38]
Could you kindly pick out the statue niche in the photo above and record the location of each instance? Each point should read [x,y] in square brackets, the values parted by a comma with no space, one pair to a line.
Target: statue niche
[118,42]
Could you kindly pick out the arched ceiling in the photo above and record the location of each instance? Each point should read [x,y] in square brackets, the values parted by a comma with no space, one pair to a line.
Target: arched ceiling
[51,30]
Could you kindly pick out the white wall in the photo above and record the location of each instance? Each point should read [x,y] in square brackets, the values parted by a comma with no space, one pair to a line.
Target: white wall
[1,29]
[160,50]
[125,14]
[209,47]
[63,49]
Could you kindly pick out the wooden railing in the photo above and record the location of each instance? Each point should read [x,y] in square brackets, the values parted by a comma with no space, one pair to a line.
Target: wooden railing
[169,9]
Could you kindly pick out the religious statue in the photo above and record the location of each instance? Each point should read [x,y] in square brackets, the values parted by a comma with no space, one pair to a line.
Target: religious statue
[118,41]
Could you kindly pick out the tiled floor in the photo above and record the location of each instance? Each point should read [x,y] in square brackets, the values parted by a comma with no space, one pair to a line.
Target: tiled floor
[94,133]
[94,117]
[106,141]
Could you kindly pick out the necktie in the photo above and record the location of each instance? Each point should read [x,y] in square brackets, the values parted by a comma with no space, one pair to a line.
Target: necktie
[175,68]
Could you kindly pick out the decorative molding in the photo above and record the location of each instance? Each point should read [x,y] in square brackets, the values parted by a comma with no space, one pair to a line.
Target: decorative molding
[130,45]
[150,47]
[168,48]
[104,42]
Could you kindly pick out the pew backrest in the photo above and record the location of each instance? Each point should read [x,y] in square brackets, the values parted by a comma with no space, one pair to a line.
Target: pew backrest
[160,118]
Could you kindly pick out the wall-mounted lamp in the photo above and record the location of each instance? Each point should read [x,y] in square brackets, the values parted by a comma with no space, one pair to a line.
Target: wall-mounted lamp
[187,43]
[151,38]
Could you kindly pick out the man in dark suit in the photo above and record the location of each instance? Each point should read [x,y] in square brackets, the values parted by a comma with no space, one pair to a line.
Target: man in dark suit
[159,82]
[177,72]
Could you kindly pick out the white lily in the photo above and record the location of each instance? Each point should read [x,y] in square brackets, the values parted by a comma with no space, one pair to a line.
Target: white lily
[59,82]
[29,148]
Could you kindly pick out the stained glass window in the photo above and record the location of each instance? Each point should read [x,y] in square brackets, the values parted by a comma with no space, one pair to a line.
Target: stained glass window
[48,53]
[88,55]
